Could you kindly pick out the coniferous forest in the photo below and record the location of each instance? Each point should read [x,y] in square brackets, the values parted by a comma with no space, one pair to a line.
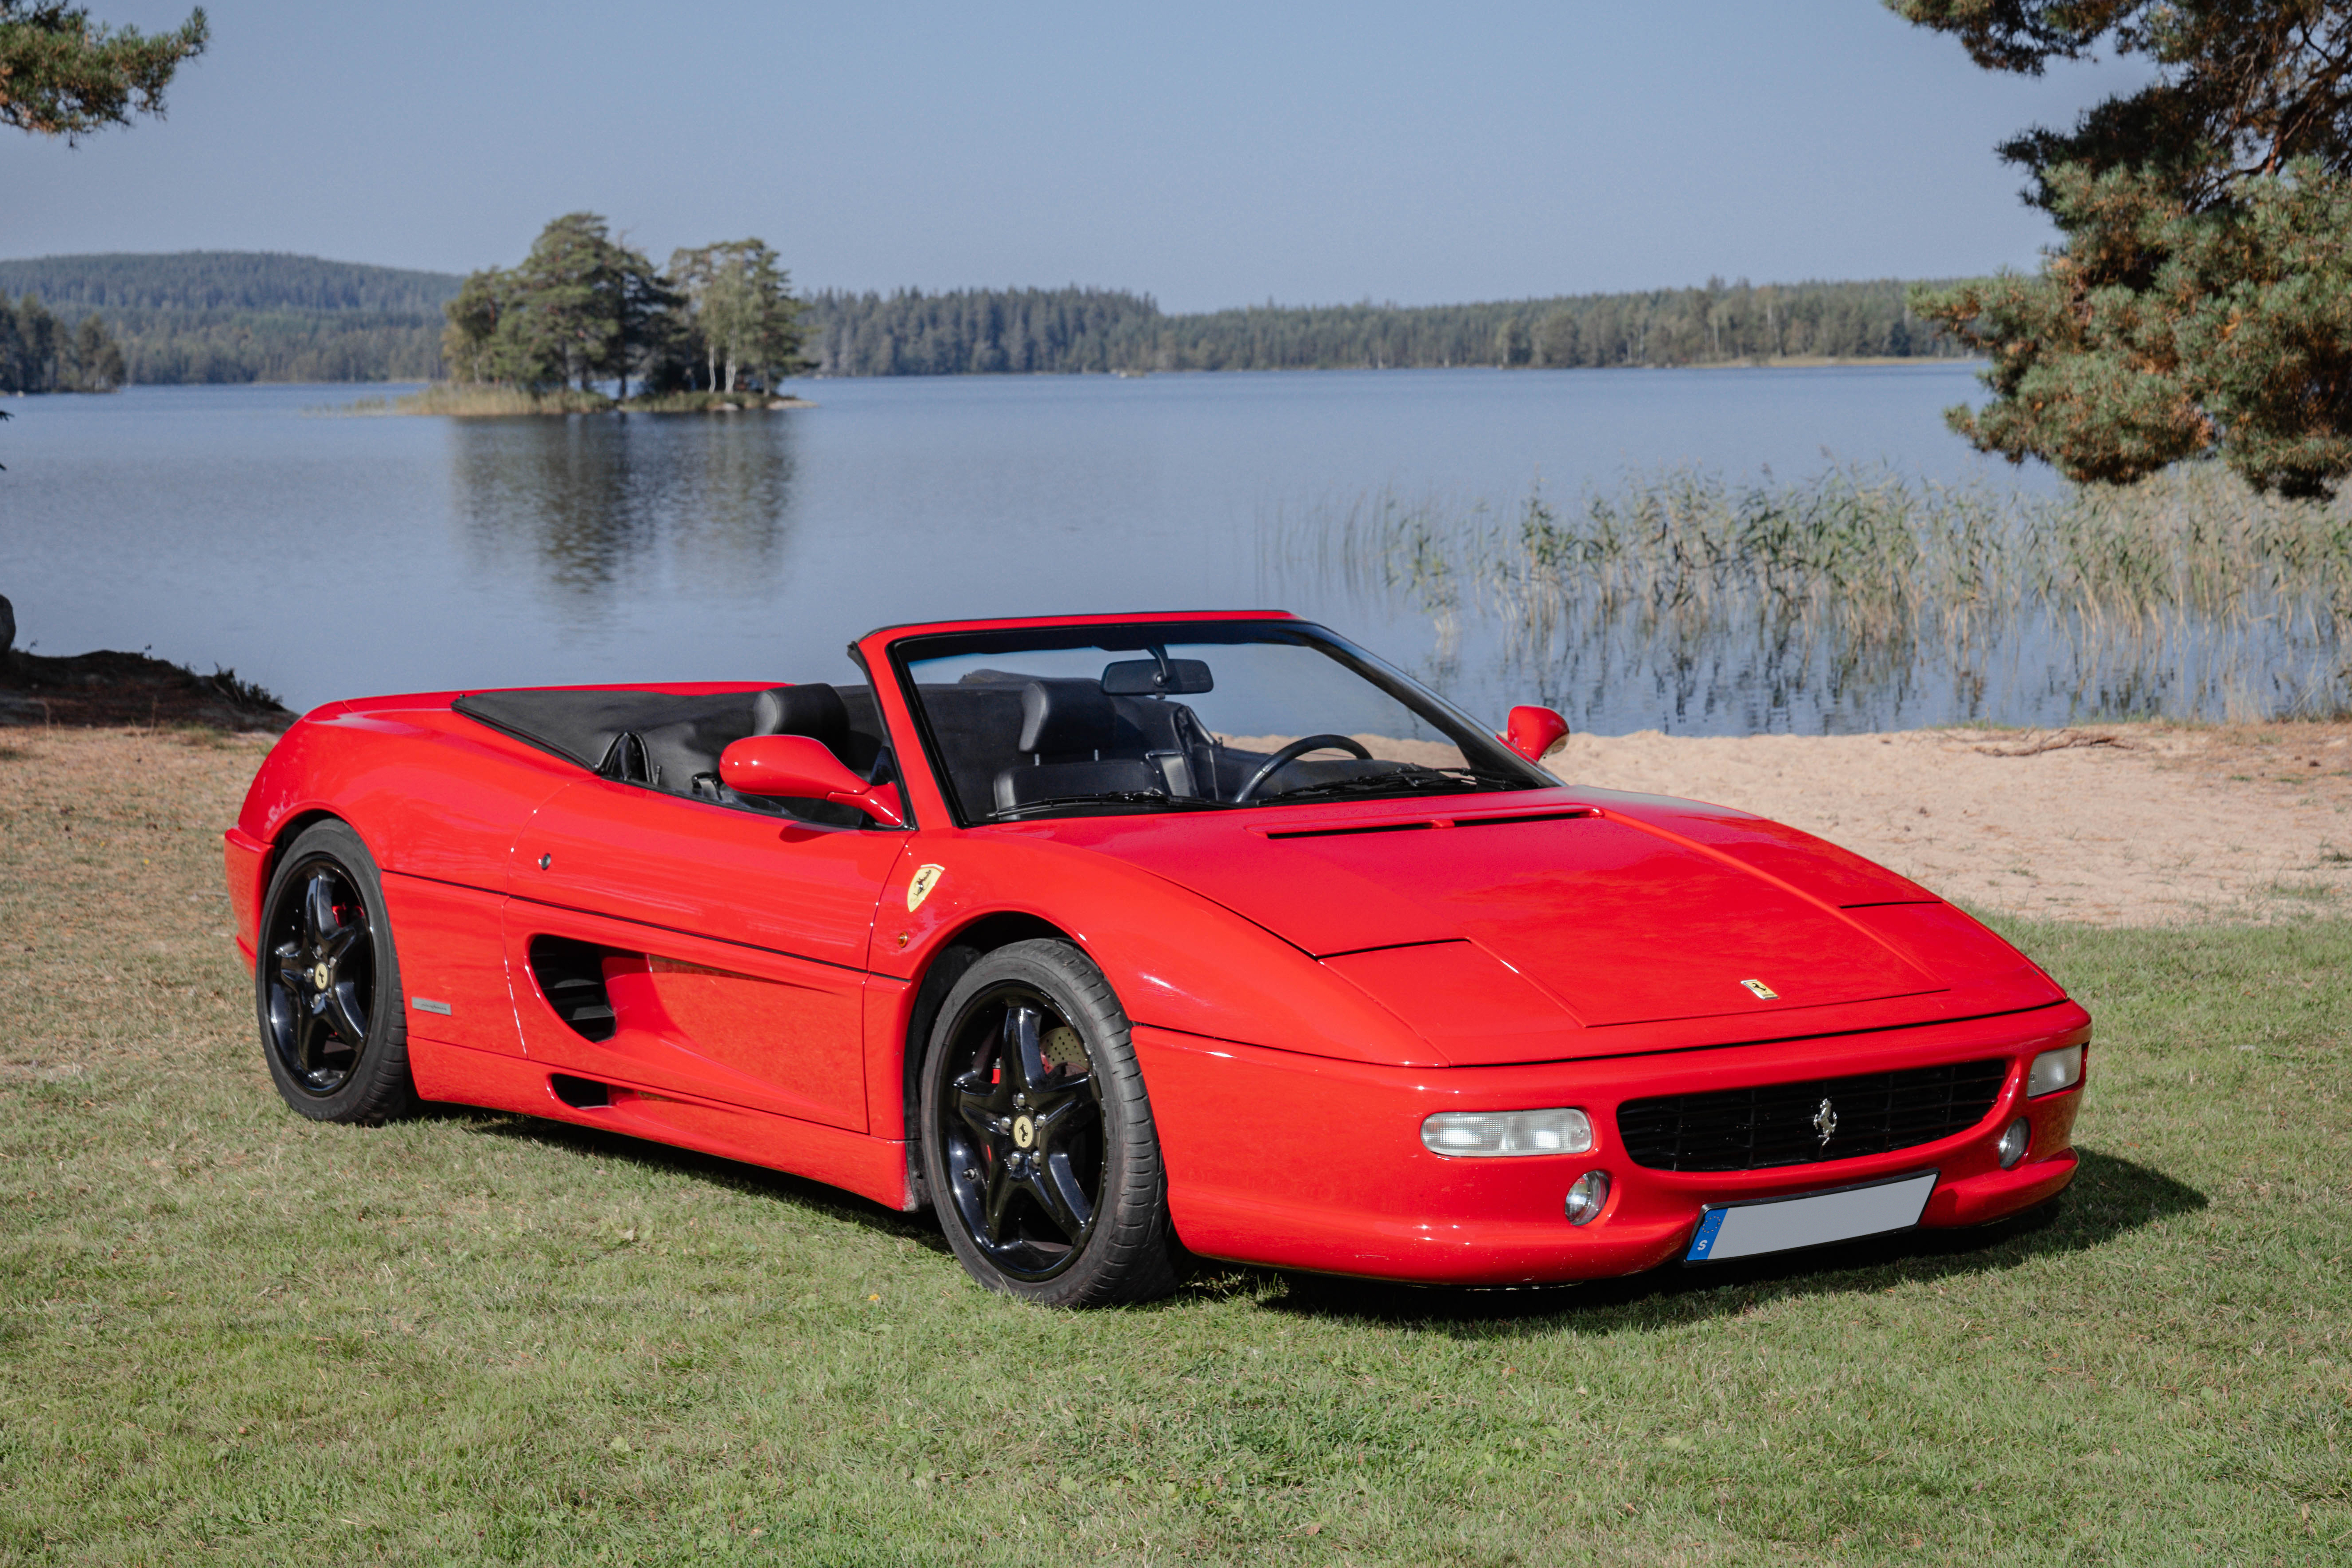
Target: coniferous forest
[225,316]
[38,353]
[1017,330]
[236,316]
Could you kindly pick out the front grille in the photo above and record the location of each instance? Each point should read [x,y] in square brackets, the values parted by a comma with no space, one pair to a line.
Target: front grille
[1780,1123]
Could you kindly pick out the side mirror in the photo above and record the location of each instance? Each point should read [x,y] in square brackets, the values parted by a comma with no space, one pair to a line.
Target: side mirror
[800,767]
[1535,733]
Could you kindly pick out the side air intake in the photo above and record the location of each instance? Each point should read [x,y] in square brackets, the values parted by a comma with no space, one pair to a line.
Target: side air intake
[571,975]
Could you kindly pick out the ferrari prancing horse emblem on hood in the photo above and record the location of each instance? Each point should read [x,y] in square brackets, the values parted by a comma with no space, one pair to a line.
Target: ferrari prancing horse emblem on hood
[925,878]
[1763,992]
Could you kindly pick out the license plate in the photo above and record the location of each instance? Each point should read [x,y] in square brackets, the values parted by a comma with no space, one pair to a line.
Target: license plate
[1811,1219]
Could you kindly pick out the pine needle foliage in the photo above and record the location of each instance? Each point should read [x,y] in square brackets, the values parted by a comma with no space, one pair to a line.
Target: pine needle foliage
[2201,302]
[63,75]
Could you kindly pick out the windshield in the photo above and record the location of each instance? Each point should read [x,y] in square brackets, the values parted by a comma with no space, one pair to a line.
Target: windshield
[1191,715]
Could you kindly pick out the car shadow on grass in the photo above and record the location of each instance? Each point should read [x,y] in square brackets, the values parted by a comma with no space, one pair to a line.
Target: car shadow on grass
[2110,1197]
[620,1148]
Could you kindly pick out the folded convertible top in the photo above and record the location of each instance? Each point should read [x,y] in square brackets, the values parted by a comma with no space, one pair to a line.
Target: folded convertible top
[580,726]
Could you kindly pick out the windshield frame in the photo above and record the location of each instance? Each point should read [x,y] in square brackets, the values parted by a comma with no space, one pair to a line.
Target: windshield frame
[1480,746]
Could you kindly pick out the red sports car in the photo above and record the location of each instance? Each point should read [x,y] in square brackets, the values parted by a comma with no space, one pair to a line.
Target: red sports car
[1114,937]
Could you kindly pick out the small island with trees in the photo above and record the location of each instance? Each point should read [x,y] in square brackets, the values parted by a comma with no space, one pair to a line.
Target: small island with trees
[717,330]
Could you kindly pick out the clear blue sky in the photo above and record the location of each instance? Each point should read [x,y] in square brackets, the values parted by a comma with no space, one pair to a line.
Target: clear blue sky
[1209,153]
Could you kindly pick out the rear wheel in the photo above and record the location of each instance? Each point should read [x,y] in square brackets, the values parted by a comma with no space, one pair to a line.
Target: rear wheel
[1037,1134]
[327,983]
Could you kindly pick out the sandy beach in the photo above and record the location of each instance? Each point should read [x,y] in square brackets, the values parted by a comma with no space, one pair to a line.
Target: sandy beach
[2113,825]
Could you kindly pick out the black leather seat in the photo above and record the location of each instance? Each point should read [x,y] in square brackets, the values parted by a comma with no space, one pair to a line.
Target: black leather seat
[815,710]
[1066,726]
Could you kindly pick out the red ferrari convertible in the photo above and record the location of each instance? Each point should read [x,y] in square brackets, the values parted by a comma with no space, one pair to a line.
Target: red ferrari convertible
[1113,937]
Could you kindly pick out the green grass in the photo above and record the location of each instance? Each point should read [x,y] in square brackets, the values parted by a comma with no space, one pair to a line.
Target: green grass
[230,1335]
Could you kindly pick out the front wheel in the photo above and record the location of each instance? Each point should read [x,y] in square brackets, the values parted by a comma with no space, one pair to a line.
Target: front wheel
[327,983]
[1037,1134]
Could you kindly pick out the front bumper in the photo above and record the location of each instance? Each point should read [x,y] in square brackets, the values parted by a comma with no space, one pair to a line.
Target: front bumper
[1298,1162]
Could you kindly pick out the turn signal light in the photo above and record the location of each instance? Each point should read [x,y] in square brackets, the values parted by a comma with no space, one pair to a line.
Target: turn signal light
[2055,1070]
[1494,1134]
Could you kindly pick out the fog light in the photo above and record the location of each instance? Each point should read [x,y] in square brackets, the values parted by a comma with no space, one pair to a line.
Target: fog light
[2055,1070]
[2013,1143]
[1490,1133]
[1588,1198]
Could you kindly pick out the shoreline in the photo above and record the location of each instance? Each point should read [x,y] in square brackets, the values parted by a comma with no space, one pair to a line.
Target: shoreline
[449,400]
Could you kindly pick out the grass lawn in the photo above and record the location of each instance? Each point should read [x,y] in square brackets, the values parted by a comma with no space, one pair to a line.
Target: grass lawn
[227,1334]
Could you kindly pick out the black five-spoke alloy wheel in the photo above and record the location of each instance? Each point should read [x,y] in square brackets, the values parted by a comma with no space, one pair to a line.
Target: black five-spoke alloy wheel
[327,985]
[1038,1139]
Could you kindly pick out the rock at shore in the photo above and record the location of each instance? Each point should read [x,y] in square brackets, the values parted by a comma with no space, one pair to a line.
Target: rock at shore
[107,689]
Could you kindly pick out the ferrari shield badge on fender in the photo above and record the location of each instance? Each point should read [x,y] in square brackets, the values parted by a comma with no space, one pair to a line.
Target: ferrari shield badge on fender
[1763,992]
[925,878]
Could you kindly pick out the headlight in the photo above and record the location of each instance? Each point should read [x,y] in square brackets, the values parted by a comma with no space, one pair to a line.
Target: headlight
[1500,1132]
[2055,1070]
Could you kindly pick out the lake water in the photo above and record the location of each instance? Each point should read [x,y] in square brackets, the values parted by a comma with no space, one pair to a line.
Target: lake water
[338,556]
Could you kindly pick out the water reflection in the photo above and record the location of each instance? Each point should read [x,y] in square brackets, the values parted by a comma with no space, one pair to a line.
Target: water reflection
[1861,601]
[602,506]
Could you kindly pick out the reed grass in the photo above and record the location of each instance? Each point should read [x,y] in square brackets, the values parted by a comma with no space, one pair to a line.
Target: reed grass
[2189,595]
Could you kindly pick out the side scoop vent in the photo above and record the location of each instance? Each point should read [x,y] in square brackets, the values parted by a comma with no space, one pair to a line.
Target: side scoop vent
[579,1093]
[571,975]
[1435,821]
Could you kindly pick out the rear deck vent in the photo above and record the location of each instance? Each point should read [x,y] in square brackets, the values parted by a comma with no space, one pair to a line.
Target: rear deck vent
[571,975]
[579,1093]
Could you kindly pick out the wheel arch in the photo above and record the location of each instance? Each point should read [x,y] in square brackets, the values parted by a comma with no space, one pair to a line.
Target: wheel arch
[296,825]
[950,955]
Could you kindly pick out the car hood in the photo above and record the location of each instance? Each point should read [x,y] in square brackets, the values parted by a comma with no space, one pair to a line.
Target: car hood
[1583,909]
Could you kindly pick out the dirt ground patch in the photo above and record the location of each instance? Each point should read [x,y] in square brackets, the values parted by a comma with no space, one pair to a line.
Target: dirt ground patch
[2115,824]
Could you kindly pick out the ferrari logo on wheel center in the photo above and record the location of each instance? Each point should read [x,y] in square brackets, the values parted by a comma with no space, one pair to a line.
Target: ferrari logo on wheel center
[1024,1132]
[318,977]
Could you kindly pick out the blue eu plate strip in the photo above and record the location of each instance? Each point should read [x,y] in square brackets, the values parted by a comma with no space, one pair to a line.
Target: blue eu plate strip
[1703,1242]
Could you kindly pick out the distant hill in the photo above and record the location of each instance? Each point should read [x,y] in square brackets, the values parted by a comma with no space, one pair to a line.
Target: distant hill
[236,316]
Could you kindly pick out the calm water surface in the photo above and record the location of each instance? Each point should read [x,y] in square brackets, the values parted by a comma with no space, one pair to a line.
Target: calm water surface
[337,556]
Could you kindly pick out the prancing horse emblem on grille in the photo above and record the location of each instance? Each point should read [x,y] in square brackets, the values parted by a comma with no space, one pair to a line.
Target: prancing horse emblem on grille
[1825,1122]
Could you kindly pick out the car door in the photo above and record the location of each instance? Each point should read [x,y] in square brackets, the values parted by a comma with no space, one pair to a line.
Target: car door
[679,944]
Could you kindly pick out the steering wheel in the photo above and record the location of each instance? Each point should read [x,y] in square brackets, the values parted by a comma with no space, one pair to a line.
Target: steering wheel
[1291,753]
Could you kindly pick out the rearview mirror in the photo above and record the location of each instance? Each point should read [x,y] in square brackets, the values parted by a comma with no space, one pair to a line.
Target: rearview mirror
[801,767]
[1145,677]
[1535,733]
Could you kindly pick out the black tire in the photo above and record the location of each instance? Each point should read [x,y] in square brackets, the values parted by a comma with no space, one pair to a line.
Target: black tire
[1047,1179]
[326,984]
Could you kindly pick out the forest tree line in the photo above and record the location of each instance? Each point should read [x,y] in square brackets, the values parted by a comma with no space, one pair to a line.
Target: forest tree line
[38,353]
[213,316]
[1018,330]
[216,316]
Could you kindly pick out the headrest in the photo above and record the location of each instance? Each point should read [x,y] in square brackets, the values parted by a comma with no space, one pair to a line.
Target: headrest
[814,710]
[1062,717]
